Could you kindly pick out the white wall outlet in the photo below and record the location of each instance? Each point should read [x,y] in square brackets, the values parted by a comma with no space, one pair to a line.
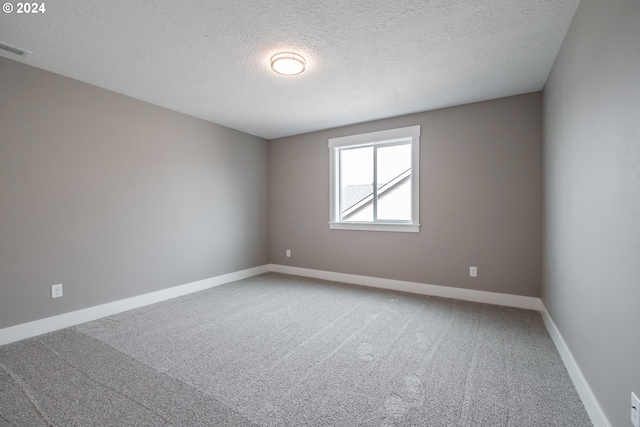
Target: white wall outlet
[56,291]
[288,253]
[473,271]
[635,410]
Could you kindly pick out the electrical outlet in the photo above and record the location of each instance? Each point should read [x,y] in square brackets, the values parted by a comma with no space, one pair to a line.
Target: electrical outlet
[56,291]
[473,271]
[288,253]
[635,410]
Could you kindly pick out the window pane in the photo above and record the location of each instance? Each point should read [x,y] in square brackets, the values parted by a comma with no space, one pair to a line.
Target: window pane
[356,184]
[394,182]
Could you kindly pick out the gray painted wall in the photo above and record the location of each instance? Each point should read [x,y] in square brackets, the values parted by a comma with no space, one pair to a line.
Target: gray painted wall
[480,202]
[113,197]
[592,197]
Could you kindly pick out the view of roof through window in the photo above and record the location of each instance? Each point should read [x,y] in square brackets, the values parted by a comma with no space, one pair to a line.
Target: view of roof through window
[391,167]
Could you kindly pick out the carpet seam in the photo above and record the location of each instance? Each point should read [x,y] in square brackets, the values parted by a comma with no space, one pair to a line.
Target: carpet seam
[163,374]
[86,375]
[23,390]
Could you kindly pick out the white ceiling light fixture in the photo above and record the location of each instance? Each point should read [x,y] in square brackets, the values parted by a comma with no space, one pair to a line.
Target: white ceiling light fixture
[287,63]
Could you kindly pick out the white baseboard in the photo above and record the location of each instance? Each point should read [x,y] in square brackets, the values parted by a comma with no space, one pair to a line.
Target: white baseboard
[518,301]
[598,418]
[43,326]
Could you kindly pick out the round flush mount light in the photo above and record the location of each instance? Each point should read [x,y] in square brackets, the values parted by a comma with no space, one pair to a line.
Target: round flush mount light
[287,63]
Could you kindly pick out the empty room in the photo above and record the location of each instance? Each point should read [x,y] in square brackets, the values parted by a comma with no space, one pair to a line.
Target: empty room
[277,213]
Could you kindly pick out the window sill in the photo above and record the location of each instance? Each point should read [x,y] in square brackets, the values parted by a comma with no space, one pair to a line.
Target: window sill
[370,226]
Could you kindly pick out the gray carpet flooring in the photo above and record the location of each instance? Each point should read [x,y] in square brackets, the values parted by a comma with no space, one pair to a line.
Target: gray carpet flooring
[278,350]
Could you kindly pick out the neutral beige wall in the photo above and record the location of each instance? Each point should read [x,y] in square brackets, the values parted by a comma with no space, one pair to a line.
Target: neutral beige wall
[592,199]
[113,197]
[480,202]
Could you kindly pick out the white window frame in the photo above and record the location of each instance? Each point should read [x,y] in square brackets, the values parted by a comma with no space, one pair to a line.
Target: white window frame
[385,137]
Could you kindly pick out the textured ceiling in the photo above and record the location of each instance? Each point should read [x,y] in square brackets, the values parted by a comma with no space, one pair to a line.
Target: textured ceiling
[365,59]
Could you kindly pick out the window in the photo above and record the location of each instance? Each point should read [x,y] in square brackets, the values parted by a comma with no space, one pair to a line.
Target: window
[374,180]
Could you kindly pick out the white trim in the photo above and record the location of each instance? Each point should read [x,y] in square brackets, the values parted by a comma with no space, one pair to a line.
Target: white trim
[518,301]
[595,412]
[375,226]
[410,135]
[597,415]
[49,324]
